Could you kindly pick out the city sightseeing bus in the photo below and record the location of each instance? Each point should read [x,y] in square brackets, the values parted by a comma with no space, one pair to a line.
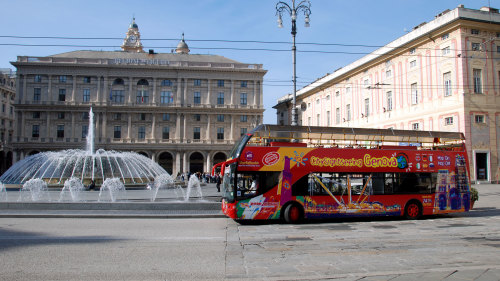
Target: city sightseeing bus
[292,173]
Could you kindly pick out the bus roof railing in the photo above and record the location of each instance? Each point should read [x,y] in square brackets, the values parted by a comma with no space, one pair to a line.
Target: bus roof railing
[264,134]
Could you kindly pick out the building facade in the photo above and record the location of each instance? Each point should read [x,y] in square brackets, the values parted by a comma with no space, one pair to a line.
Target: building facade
[444,75]
[185,111]
[7,96]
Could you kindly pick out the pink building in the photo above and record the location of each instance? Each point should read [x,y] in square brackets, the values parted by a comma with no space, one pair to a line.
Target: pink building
[444,75]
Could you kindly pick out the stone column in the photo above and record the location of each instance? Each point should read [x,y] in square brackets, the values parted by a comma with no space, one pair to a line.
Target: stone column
[49,90]
[208,137]
[209,163]
[209,93]
[179,86]
[178,127]
[232,94]
[184,164]
[97,127]
[232,127]
[23,126]
[25,94]
[177,167]
[48,124]
[98,95]
[129,130]
[255,100]
[184,127]
[154,91]
[73,91]
[153,127]
[104,126]
[185,91]
[130,90]
[73,125]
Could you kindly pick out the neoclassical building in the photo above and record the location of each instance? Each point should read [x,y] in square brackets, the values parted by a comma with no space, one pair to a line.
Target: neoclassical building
[444,75]
[7,96]
[183,110]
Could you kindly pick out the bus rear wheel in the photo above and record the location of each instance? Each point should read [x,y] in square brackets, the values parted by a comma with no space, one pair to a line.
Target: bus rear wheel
[413,210]
[293,214]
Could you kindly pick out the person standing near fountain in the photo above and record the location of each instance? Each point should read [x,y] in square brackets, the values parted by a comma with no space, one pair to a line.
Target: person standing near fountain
[218,181]
[92,185]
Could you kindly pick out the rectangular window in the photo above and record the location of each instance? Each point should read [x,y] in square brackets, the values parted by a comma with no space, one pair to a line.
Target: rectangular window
[220,117]
[414,94]
[498,49]
[197,117]
[142,96]
[62,95]
[389,101]
[328,123]
[388,73]
[166,97]
[415,126]
[36,114]
[476,74]
[479,119]
[348,112]
[165,133]
[117,132]
[474,31]
[86,79]
[413,63]
[243,131]
[367,107]
[60,131]
[337,115]
[85,130]
[197,98]
[337,94]
[117,116]
[37,94]
[476,46]
[62,79]
[196,133]
[38,78]
[142,116]
[445,51]
[243,118]
[118,96]
[220,83]
[142,133]
[86,95]
[244,84]
[447,84]
[243,98]
[60,115]
[445,36]
[328,98]
[166,116]
[85,116]
[166,83]
[220,98]
[197,82]
[35,131]
[317,119]
[220,133]
[448,121]
[412,50]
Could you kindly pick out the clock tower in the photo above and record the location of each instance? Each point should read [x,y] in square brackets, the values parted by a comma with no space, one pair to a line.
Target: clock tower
[132,41]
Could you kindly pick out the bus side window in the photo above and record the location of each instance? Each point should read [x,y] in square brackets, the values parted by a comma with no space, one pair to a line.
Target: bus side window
[389,183]
[378,183]
[300,187]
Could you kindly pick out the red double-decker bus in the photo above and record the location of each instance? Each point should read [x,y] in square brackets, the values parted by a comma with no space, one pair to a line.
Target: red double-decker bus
[295,172]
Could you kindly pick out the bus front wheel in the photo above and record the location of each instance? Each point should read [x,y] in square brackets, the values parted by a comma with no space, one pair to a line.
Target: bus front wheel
[293,213]
[413,210]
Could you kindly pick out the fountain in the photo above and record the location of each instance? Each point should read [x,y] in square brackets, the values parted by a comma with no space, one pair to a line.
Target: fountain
[111,190]
[56,167]
[34,190]
[193,185]
[3,193]
[72,190]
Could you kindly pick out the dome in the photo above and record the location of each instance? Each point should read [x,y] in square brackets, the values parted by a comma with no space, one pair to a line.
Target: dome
[133,24]
[182,47]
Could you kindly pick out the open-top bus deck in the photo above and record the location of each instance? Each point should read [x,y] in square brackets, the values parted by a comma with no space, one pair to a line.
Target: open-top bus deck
[297,172]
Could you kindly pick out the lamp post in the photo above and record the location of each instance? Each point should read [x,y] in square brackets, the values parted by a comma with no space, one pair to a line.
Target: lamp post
[305,7]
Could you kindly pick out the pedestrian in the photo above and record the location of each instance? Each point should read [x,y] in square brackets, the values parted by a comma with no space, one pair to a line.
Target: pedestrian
[218,180]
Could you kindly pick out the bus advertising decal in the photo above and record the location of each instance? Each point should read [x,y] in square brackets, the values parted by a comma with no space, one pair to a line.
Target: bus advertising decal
[271,158]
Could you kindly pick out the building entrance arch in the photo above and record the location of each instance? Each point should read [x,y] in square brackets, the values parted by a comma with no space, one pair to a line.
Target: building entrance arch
[196,162]
[166,161]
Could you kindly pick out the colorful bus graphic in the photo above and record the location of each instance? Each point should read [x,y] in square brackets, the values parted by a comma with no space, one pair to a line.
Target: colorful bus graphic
[292,173]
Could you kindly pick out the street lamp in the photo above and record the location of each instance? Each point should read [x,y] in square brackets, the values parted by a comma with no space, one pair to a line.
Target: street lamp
[305,7]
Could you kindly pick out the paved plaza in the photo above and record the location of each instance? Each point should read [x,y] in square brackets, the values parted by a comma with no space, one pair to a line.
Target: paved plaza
[102,247]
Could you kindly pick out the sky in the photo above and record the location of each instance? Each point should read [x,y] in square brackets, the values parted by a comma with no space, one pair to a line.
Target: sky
[210,26]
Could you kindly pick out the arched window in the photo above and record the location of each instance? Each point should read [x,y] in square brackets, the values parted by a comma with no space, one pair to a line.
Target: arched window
[143,82]
[118,81]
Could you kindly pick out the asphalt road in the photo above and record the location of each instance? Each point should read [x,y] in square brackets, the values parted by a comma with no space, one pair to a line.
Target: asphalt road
[455,247]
